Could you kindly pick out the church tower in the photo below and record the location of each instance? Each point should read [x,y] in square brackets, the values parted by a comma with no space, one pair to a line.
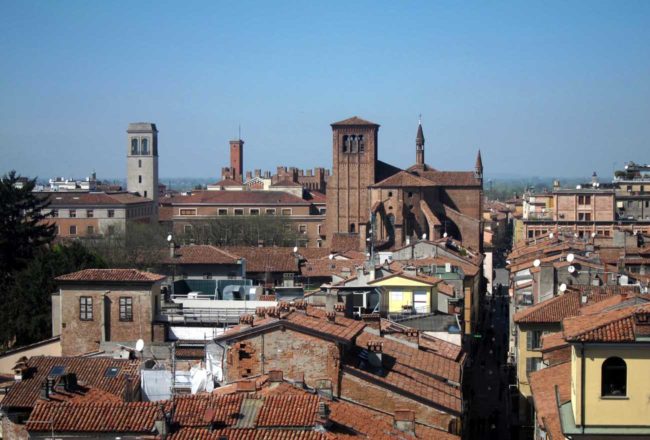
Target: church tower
[419,145]
[237,159]
[354,143]
[142,160]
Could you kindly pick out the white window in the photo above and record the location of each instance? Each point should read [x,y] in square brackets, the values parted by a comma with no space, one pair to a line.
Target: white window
[420,301]
[396,296]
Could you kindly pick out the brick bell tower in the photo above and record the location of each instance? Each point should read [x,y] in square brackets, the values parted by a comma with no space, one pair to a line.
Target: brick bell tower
[354,153]
[237,159]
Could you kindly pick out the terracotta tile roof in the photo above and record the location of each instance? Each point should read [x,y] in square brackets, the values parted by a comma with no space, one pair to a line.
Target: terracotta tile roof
[131,417]
[288,410]
[426,342]
[448,178]
[375,425]
[111,275]
[413,372]
[354,120]
[316,196]
[63,199]
[201,254]
[312,320]
[326,267]
[265,259]
[384,170]
[270,198]
[90,372]
[563,306]
[227,182]
[202,409]
[620,325]
[432,281]
[553,341]
[403,179]
[247,434]
[342,242]
[543,384]
[469,269]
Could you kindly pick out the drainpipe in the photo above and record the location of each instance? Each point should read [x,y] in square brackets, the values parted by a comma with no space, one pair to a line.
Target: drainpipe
[582,387]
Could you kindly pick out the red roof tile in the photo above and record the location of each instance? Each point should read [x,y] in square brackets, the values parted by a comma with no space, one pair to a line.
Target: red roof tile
[270,198]
[266,259]
[111,275]
[131,417]
[612,326]
[62,199]
[543,384]
[90,373]
[288,410]
[354,120]
[202,254]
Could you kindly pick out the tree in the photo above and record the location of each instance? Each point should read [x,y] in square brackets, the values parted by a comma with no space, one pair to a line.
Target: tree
[23,229]
[29,301]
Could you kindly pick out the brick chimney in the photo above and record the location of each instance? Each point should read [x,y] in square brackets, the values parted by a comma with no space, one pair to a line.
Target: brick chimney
[246,320]
[246,386]
[330,301]
[375,349]
[331,316]
[276,376]
[404,420]
[323,414]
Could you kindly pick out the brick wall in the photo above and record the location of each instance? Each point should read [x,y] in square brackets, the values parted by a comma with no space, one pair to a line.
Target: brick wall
[286,350]
[83,336]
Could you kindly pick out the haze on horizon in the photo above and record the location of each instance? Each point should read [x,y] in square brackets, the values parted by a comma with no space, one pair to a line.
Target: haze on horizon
[546,89]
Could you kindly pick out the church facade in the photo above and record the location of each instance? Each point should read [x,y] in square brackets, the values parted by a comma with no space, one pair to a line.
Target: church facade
[381,204]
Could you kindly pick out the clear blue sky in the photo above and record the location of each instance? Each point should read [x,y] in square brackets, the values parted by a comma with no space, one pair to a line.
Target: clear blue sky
[542,88]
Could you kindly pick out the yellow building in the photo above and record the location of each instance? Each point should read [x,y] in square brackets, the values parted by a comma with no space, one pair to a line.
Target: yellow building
[603,391]
[408,293]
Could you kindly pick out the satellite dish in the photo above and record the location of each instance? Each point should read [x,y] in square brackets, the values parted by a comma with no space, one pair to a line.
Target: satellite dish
[424,236]
[331,257]
[562,287]
[169,237]
[444,235]
[550,235]
[295,249]
[139,346]
[575,235]
[537,262]
[593,235]
[571,269]
[570,258]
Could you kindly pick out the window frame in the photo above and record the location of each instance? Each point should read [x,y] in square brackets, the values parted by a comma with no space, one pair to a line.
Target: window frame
[110,213]
[611,370]
[72,213]
[86,308]
[71,228]
[126,308]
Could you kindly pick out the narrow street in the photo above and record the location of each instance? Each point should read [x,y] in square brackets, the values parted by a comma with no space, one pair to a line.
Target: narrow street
[487,376]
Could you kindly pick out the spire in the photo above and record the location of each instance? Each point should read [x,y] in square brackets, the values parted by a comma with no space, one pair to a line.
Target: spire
[479,165]
[419,144]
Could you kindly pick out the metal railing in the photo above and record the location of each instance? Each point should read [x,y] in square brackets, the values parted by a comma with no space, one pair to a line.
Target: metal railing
[203,315]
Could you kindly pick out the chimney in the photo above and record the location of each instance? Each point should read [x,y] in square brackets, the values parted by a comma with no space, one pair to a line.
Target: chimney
[330,301]
[324,388]
[246,386]
[405,421]
[331,316]
[372,320]
[375,349]
[246,320]
[45,390]
[276,376]
[323,414]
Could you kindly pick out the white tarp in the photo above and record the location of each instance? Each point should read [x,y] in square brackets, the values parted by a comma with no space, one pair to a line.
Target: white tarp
[194,333]
[156,385]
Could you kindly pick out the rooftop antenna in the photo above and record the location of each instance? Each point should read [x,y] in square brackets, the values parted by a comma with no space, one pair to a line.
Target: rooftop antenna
[239,131]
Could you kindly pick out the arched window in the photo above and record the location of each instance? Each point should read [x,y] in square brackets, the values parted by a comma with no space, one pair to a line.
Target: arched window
[354,144]
[614,377]
[362,147]
[346,144]
[134,146]
[145,146]
[352,228]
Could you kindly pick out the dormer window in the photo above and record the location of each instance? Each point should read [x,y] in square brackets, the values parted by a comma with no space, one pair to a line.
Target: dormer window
[614,378]
[134,146]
